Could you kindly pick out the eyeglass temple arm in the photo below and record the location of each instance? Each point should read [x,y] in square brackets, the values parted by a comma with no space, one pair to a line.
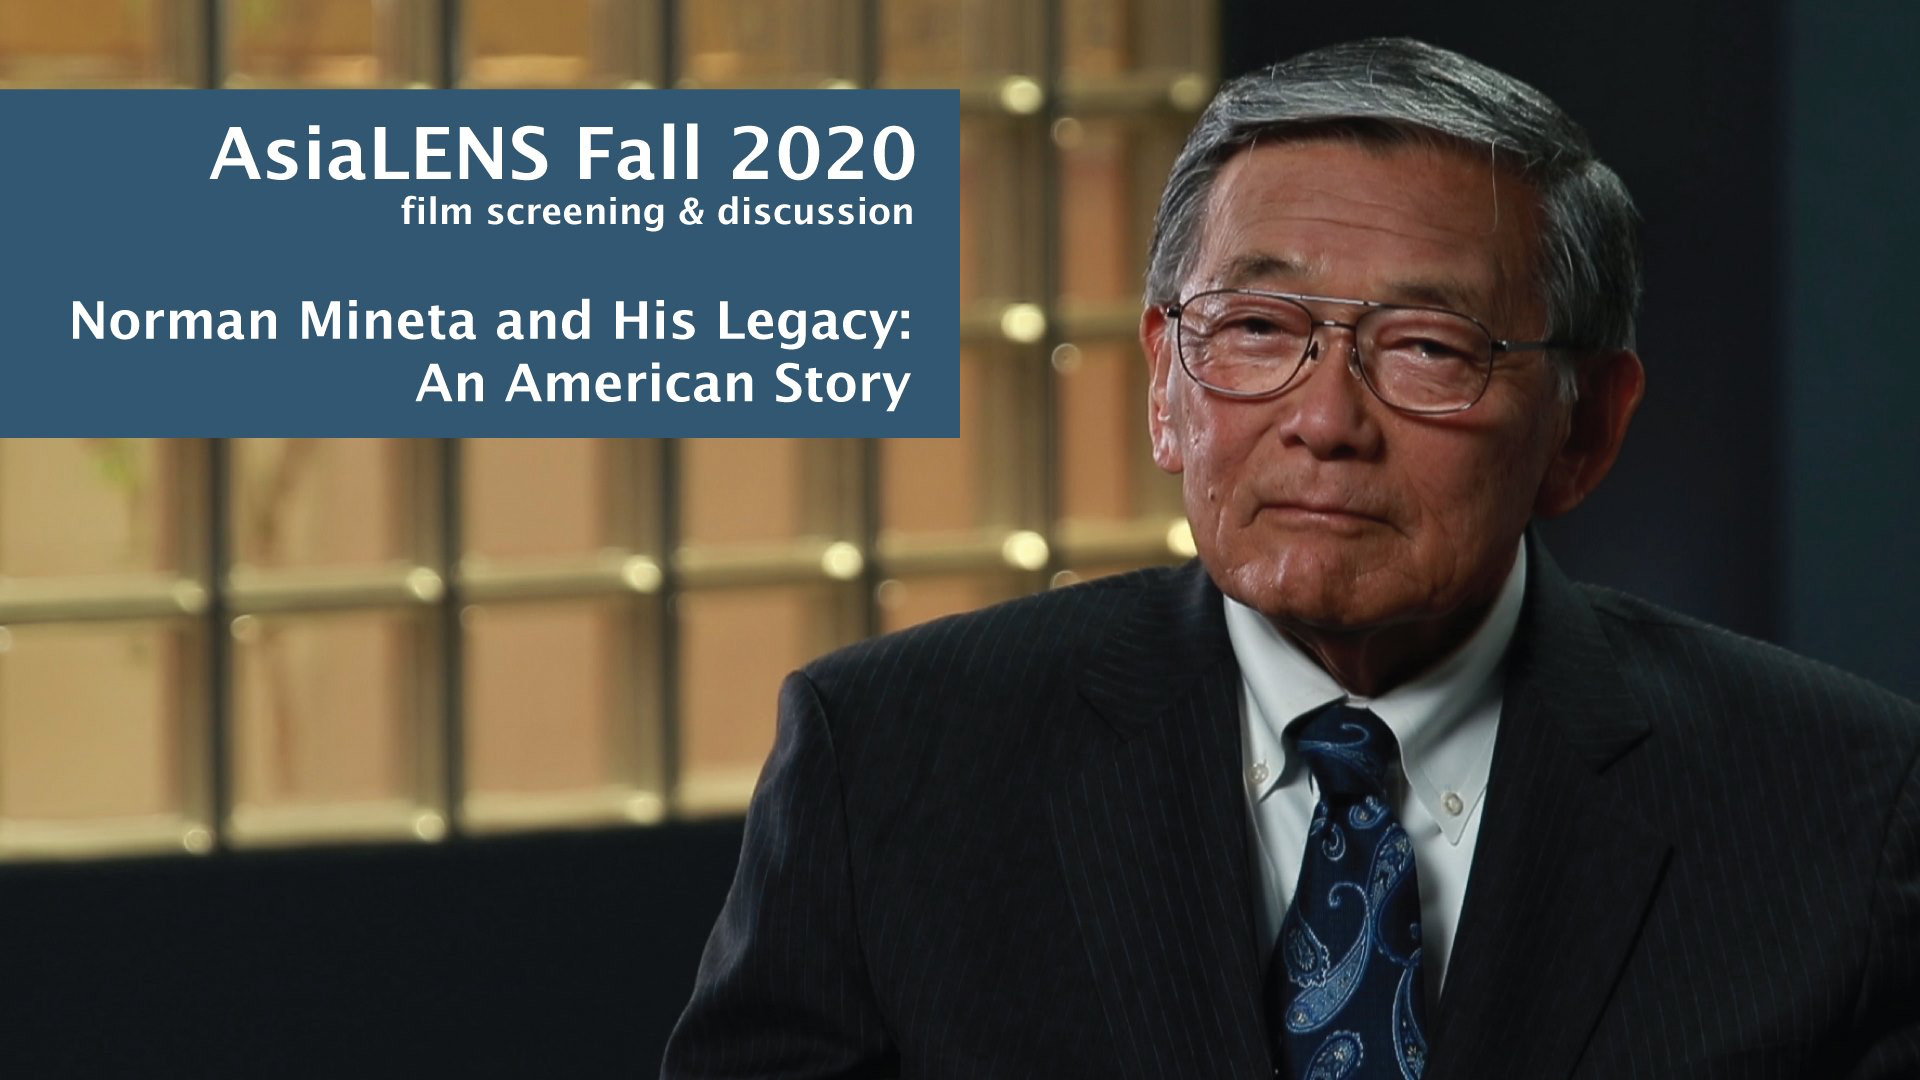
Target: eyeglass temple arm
[1500,345]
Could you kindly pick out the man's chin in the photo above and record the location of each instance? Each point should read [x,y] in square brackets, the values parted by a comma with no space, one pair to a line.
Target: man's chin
[1296,600]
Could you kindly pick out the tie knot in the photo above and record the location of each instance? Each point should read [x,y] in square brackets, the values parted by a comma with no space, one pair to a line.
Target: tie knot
[1349,750]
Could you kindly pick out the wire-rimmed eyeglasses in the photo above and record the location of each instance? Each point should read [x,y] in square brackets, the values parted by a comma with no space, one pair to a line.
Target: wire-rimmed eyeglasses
[1246,343]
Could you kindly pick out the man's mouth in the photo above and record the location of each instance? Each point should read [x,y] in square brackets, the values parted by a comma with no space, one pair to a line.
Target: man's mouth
[1314,512]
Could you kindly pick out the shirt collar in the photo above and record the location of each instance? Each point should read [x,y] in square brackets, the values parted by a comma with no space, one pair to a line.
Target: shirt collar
[1443,718]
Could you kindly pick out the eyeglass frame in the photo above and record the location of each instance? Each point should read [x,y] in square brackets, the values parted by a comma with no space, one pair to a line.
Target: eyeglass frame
[1174,309]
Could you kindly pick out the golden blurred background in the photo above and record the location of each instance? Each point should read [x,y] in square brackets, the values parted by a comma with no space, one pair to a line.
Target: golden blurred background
[234,643]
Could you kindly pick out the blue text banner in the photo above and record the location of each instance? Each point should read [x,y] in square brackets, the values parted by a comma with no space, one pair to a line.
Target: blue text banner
[480,263]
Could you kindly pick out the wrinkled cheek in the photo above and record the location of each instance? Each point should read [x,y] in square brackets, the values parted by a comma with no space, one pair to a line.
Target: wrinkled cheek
[1209,469]
[1213,534]
[1201,479]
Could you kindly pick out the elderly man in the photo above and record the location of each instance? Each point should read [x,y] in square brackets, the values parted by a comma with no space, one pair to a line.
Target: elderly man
[1371,790]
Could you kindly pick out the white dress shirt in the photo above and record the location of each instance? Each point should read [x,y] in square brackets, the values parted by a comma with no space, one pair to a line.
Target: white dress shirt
[1444,721]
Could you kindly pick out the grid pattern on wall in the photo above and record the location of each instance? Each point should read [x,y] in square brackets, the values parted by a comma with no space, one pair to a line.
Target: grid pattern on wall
[235,643]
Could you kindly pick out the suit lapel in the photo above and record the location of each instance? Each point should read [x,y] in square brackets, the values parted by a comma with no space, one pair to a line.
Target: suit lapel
[1564,871]
[1150,826]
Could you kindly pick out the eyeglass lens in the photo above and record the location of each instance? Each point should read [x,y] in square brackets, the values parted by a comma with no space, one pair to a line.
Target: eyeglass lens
[1412,358]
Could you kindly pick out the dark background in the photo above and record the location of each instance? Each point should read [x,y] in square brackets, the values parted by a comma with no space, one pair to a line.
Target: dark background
[1770,484]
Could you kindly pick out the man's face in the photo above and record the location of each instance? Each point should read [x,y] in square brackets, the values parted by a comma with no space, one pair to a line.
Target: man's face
[1322,507]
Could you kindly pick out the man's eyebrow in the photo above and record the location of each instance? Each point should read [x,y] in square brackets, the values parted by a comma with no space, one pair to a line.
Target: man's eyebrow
[1256,268]
[1436,292]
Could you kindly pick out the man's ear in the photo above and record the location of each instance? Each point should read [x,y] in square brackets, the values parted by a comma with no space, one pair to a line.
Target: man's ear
[1156,341]
[1610,388]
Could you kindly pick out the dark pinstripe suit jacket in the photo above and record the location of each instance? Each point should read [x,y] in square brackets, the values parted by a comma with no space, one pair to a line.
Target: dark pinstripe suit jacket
[1013,843]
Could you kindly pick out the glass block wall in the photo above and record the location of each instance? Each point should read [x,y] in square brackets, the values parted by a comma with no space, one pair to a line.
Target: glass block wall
[237,643]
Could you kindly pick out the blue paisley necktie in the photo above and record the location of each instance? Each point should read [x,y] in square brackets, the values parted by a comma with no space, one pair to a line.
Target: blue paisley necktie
[1344,996]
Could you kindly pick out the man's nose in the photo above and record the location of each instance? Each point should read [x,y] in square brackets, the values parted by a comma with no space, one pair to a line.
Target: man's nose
[1329,409]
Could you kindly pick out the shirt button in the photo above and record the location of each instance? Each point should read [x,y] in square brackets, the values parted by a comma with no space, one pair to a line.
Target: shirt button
[1453,804]
[1258,774]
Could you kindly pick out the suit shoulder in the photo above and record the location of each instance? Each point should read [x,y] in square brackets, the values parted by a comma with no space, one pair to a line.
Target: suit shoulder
[1013,644]
[1717,666]
[945,698]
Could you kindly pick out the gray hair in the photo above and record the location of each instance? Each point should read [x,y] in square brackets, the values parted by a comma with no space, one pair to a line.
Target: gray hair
[1388,90]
